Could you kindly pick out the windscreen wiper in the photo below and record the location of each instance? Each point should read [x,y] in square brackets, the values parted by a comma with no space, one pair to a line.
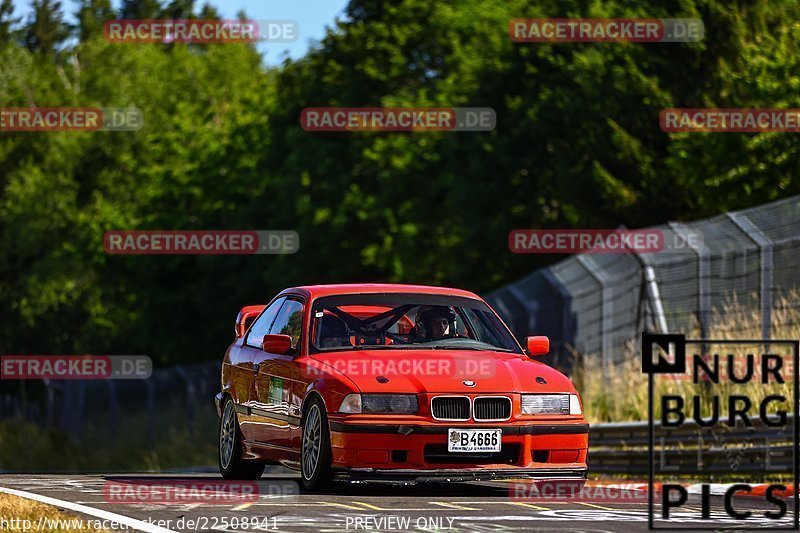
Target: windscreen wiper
[455,347]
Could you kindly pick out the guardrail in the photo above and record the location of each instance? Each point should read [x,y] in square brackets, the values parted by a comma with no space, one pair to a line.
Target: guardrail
[622,448]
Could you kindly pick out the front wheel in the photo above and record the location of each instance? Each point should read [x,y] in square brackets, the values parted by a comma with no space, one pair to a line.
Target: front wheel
[315,456]
[231,463]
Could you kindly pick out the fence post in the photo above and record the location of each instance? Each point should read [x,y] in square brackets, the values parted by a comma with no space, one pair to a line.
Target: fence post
[567,323]
[151,404]
[765,268]
[81,398]
[112,410]
[498,304]
[50,411]
[653,294]
[703,274]
[190,394]
[530,307]
[606,310]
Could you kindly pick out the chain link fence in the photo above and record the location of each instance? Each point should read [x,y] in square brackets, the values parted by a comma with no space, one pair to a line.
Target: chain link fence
[724,273]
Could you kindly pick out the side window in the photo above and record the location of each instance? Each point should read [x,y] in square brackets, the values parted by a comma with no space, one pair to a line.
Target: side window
[289,322]
[481,333]
[261,326]
[461,327]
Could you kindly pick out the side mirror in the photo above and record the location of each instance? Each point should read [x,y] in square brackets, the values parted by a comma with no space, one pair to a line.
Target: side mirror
[538,345]
[279,344]
[246,314]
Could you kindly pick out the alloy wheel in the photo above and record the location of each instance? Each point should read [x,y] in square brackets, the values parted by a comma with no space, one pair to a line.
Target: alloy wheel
[312,441]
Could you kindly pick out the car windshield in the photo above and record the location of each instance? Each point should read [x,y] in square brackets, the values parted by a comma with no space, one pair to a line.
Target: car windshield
[406,322]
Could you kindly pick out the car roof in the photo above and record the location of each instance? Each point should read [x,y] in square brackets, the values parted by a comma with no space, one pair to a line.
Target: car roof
[317,291]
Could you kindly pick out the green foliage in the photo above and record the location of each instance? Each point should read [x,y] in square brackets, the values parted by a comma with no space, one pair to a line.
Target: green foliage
[140,9]
[577,144]
[91,15]
[47,29]
[7,21]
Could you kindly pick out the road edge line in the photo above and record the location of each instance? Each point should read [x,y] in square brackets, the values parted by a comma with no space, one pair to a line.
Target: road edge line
[91,511]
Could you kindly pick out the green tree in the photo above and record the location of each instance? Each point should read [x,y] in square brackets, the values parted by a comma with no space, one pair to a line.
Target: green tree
[208,12]
[577,144]
[7,22]
[91,15]
[179,9]
[46,30]
[140,9]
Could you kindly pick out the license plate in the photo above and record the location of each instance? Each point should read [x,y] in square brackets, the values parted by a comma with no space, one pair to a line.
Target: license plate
[474,440]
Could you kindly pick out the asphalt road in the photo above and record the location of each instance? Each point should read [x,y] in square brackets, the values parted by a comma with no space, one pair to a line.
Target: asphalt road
[282,506]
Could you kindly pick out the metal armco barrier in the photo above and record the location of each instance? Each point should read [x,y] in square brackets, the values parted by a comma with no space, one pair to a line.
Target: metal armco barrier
[622,448]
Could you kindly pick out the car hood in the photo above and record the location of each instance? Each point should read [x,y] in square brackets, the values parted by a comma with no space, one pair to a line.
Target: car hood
[438,371]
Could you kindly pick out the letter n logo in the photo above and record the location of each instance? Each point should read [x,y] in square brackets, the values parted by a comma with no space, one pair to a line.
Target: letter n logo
[670,350]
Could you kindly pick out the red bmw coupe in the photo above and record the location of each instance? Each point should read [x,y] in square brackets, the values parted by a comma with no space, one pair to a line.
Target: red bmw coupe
[398,383]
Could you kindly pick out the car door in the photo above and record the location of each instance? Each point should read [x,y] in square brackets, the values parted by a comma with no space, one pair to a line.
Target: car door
[278,379]
[245,369]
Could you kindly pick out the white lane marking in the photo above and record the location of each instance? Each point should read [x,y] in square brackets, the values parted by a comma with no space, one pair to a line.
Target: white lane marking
[57,484]
[91,511]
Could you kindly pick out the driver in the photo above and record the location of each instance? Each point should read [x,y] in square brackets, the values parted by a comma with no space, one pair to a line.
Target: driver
[434,323]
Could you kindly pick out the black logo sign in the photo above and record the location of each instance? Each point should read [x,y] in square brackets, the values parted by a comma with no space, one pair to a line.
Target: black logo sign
[722,418]
[669,344]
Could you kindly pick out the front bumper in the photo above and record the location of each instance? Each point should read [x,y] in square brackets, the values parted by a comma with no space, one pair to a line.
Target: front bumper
[451,475]
[540,450]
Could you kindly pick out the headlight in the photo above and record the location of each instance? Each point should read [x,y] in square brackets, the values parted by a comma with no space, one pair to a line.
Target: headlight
[405,404]
[550,404]
[351,404]
[574,405]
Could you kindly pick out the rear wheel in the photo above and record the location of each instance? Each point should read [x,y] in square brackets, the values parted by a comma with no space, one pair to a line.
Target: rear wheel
[231,463]
[315,456]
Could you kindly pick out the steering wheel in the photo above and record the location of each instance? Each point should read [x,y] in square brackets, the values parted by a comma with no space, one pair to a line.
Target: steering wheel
[397,338]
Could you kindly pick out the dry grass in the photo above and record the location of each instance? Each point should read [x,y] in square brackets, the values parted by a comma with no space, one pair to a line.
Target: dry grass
[15,511]
[621,394]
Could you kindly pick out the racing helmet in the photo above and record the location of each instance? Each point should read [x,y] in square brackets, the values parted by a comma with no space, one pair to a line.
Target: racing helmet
[426,313]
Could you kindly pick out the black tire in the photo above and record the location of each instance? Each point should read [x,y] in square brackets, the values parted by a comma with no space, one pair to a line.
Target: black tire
[315,461]
[231,463]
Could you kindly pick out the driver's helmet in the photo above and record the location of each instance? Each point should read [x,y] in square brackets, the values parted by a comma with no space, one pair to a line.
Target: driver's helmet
[426,313]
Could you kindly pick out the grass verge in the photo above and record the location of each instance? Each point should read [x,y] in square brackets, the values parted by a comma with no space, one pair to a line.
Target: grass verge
[21,514]
[619,393]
